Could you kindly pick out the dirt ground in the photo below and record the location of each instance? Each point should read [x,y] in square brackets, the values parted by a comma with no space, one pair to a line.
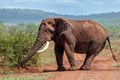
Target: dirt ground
[101,69]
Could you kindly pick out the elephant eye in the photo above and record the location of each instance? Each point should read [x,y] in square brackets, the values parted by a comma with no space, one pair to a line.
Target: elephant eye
[49,23]
[43,24]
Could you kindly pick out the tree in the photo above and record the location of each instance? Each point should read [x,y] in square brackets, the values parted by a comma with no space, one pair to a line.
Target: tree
[31,28]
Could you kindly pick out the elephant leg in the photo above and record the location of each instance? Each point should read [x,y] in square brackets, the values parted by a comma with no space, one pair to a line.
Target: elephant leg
[90,56]
[69,49]
[88,60]
[59,51]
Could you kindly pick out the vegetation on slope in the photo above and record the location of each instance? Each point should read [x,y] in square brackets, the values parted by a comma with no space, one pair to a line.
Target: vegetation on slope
[30,15]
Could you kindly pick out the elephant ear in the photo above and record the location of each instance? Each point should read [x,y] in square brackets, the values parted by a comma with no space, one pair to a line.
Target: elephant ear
[63,27]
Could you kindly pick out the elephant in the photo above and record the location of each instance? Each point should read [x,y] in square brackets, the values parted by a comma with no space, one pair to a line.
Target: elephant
[71,36]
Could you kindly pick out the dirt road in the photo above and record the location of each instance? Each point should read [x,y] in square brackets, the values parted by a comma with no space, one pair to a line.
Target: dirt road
[102,69]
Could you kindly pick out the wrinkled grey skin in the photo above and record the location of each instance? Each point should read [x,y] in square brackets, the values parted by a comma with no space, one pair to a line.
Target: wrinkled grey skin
[71,36]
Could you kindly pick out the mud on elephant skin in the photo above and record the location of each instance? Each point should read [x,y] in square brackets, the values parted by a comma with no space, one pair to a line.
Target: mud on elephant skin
[71,36]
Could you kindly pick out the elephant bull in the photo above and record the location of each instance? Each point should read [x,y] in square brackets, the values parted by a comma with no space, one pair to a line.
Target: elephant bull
[71,36]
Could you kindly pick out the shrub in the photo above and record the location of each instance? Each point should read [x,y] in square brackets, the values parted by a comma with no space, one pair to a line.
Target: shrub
[14,45]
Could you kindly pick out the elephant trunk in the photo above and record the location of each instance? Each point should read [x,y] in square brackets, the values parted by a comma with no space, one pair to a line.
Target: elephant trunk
[38,43]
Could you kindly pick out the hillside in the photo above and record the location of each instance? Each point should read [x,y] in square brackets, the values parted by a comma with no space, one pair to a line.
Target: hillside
[29,15]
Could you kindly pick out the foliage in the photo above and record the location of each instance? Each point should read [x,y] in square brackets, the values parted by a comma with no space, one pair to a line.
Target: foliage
[33,77]
[15,43]
[47,57]
[114,31]
[30,15]
[23,15]
[24,78]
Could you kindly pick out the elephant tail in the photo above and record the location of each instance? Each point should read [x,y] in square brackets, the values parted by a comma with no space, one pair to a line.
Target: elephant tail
[111,49]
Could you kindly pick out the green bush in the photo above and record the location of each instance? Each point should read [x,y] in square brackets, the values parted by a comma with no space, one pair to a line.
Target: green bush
[14,44]
[114,31]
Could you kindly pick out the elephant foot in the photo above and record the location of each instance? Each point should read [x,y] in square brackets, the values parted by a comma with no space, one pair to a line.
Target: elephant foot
[73,68]
[84,67]
[21,65]
[61,69]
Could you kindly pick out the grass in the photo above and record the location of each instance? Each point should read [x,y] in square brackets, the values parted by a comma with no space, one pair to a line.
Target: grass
[116,64]
[44,76]
[115,44]
[26,78]
[47,57]
[116,48]
[5,72]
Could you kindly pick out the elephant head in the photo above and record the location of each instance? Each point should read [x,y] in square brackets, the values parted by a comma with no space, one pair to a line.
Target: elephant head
[50,29]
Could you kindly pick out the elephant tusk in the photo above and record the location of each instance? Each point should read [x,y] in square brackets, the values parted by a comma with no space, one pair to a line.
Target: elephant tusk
[47,44]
